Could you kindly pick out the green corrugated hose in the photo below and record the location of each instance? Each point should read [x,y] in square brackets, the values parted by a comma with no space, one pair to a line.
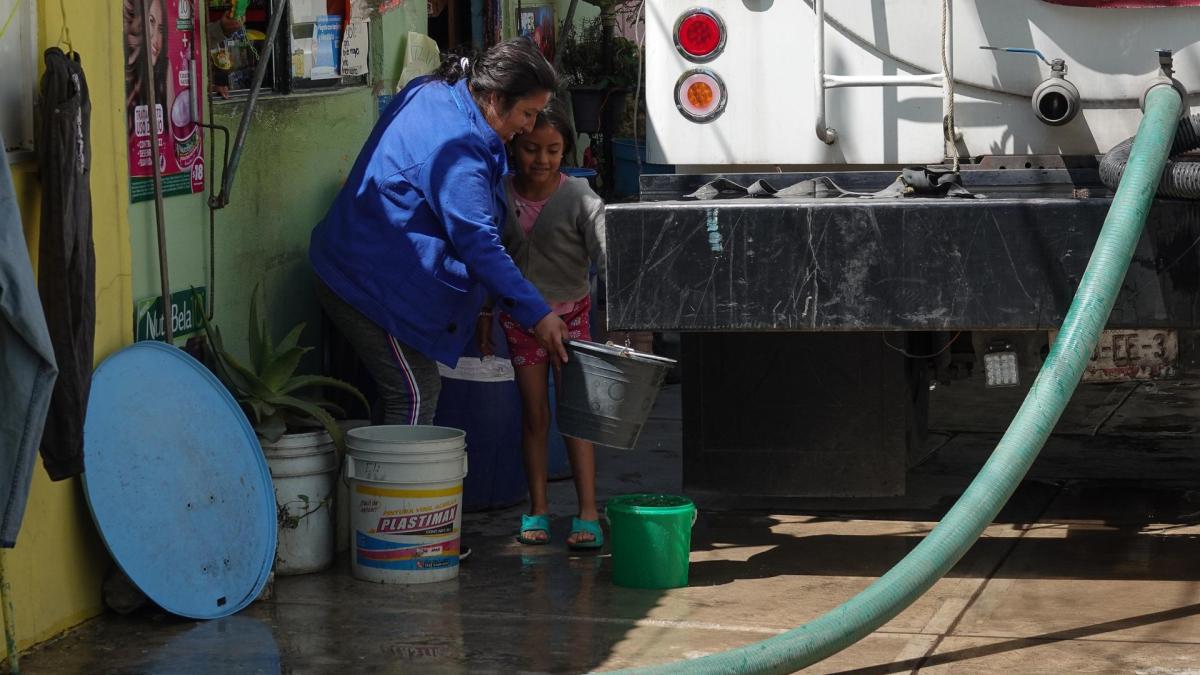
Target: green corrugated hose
[983,499]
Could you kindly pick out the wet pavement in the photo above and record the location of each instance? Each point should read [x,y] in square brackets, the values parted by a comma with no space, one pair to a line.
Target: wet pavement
[1094,566]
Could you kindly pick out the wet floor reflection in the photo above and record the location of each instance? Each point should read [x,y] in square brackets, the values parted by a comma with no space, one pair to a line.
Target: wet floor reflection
[234,645]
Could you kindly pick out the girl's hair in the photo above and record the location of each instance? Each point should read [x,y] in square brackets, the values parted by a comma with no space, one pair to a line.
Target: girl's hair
[514,69]
[553,115]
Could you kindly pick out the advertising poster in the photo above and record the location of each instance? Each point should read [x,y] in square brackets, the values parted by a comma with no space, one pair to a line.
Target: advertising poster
[537,24]
[169,42]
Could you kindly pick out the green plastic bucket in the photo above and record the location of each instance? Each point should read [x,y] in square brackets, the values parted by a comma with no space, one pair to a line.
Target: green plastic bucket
[651,539]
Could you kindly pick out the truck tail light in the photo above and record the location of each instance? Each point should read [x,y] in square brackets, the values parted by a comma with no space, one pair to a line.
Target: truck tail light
[700,35]
[700,95]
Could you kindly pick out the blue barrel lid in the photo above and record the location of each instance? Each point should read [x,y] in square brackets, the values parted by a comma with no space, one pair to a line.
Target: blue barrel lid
[176,482]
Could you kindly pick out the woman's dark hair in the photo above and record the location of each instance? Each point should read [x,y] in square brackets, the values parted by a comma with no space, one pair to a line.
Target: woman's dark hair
[553,115]
[514,69]
[135,63]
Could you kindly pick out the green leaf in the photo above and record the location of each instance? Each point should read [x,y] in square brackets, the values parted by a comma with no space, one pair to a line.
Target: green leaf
[212,334]
[303,498]
[272,427]
[304,381]
[332,408]
[246,381]
[260,342]
[198,304]
[277,374]
[291,339]
[261,409]
[314,411]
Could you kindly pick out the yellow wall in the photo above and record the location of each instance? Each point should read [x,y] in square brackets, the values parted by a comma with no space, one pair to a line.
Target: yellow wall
[58,564]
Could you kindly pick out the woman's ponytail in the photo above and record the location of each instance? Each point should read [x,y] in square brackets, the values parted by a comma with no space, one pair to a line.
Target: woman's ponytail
[455,66]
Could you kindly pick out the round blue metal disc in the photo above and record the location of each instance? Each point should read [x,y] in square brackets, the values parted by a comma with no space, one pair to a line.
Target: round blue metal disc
[177,483]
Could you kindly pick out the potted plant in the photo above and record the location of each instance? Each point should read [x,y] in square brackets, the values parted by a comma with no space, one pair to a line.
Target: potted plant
[596,91]
[301,439]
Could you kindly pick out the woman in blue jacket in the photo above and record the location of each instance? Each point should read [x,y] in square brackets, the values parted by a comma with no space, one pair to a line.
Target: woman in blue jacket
[411,247]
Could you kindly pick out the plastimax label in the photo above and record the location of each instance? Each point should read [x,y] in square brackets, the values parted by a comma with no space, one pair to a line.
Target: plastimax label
[433,522]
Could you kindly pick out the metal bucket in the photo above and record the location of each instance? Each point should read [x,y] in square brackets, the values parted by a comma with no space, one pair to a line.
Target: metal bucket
[608,392]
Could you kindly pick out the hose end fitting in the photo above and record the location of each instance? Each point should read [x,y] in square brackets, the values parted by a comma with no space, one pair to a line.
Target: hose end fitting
[1165,77]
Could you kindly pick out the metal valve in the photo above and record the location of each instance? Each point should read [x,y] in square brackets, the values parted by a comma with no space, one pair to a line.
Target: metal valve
[1056,100]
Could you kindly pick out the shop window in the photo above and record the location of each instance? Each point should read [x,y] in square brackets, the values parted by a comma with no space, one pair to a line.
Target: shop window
[308,50]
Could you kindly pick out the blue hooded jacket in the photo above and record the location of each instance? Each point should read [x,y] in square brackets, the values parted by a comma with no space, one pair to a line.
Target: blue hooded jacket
[413,239]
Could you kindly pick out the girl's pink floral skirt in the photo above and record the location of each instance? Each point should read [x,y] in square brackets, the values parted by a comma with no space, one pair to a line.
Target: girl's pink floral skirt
[524,347]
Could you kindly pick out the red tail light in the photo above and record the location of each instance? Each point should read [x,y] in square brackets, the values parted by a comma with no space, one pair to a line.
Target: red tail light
[700,35]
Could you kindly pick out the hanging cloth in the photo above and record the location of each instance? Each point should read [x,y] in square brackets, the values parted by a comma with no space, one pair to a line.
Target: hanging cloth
[27,369]
[67,259]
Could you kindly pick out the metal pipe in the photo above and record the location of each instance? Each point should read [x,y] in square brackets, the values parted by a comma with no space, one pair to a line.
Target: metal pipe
[923,80]
[822,81]
[230,169]
[10,621]
[826,134]
[608,21]
[212,212]
[159,217]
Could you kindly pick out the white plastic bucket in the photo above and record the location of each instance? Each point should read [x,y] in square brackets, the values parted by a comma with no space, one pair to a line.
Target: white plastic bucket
[406,487]
[342,502]
[303,468]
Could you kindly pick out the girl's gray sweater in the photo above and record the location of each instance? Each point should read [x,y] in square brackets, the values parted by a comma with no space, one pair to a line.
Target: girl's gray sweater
[569,233]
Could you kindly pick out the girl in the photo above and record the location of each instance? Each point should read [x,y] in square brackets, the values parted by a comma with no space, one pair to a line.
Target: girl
[555,228]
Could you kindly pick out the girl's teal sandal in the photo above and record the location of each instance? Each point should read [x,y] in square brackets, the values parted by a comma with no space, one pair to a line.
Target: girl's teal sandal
[539,523]
[591,527]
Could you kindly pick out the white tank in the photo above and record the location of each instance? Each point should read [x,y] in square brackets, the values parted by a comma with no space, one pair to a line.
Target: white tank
[766,70]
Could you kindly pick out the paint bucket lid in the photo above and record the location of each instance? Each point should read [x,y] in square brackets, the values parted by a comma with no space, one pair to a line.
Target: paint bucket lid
[405,440]
[176,482]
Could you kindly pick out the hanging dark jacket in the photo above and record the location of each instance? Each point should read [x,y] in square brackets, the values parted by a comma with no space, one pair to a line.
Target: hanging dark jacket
[67,259]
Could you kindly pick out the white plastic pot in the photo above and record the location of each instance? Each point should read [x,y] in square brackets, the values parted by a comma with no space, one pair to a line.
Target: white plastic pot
[303,469]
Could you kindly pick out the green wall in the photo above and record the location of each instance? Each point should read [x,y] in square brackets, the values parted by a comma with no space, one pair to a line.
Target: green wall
[298,151]
[394,28]
[187,245]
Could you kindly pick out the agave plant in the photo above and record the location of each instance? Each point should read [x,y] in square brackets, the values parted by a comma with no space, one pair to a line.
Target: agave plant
[269,390]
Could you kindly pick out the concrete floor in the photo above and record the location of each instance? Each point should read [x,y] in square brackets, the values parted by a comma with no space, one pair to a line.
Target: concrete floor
[1094,566]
